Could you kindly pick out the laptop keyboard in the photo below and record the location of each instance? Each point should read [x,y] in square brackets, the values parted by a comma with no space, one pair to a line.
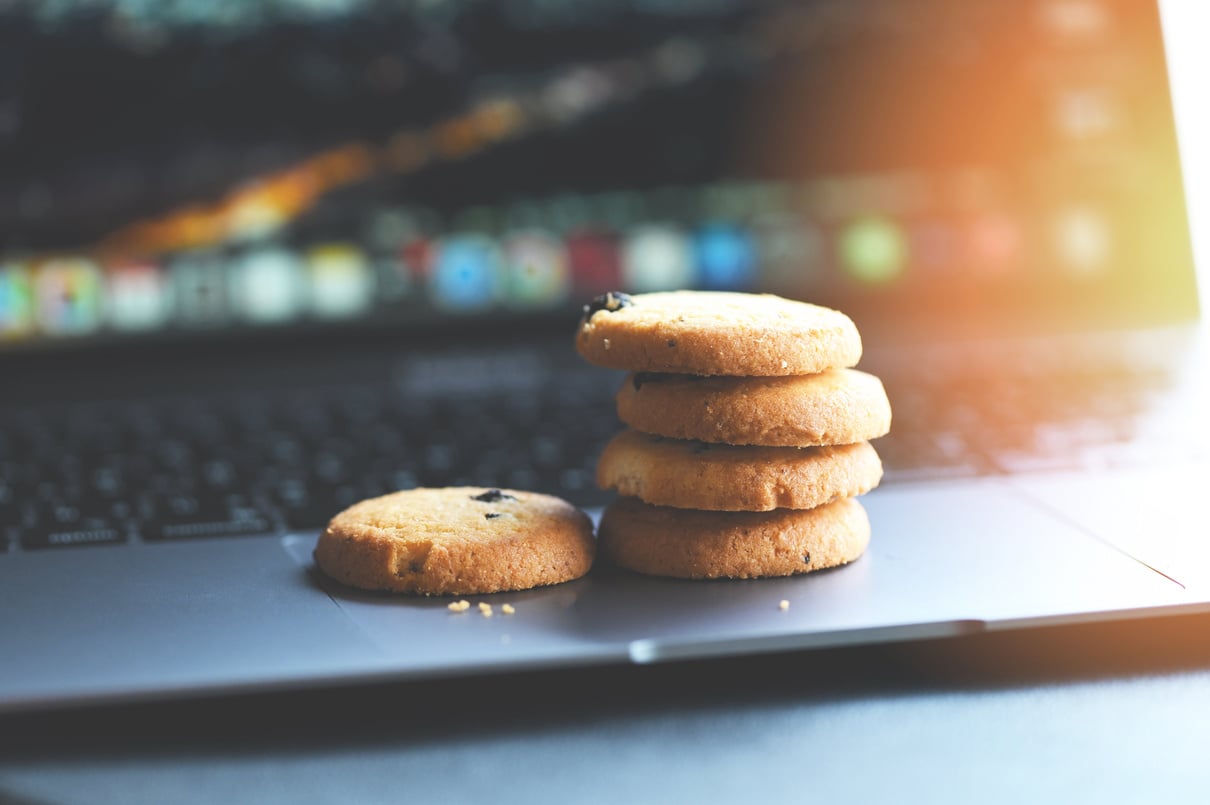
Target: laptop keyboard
[994,423]
[259,464]
[249,464]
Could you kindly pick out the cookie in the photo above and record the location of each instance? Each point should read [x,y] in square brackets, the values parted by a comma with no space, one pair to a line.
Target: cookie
[682,543]
[715,333]
[839,406]
[720,477]
[457,541]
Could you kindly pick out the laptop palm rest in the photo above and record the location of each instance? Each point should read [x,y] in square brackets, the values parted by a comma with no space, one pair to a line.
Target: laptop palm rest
[944,559]
[101,624]
[245,614]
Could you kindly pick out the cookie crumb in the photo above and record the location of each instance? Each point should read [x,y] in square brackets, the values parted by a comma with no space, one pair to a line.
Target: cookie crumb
[508,609]
[459,606]
[783,605]
[485,610]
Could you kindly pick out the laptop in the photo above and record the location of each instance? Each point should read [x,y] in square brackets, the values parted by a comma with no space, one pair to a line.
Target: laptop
[260,262]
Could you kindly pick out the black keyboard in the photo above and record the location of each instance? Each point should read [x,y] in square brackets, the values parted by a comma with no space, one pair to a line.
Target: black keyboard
[264,463]
[175,469]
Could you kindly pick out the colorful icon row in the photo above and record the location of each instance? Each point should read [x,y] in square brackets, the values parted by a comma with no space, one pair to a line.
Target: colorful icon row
[74,296]
[524,269]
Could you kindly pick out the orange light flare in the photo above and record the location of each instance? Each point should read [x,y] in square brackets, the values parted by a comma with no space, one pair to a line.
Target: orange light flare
[270,201]
[1078,184]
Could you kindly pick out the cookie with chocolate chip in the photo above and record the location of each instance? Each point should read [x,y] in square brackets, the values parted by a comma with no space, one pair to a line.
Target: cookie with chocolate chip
[839,406]
[715,333]
[684,543]
[457,541]
[722,477]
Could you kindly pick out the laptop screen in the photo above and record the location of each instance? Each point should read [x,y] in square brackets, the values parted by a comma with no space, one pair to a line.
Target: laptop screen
[183,170]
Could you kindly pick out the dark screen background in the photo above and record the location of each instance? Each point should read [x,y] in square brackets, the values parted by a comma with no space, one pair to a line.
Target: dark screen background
[944,163]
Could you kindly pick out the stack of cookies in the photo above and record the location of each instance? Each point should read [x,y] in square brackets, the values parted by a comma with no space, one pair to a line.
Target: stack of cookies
[748,434]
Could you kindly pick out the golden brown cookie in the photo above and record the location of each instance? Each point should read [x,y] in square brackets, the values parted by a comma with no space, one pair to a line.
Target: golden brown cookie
[684,543]
[722,477]
[715,333]
[839,406]
[457,541]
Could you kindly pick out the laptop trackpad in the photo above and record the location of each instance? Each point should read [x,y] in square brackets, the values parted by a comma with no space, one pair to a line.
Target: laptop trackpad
[1157,515]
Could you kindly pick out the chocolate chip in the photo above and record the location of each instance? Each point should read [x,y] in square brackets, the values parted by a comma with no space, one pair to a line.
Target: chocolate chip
[492,515]
[492,496]
[609,302]
[806,558]
[671,343]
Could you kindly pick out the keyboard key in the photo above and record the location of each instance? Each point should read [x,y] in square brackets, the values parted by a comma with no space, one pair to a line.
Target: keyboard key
[219,474]
[309,517]
[8,502]
[242,526]
[58,538]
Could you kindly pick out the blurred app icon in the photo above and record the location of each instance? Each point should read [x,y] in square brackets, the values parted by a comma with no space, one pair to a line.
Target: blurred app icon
[199,288]
[1086,113]
[419,255]
[657,258]
[16,301]
[536,263]
[405,266]
[342,284]
[934,246]
[266,286]
[390,279]
[725,257]
[790,251]
[137,296]
[1076,19]
[873,249]
[68,290]
[594,260]
[466,273]
[994,243]
[1083,241]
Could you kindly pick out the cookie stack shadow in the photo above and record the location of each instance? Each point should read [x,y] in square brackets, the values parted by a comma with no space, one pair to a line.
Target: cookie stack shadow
[748,437]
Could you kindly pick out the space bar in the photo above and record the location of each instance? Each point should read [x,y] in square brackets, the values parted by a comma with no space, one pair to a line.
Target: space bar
[203,529]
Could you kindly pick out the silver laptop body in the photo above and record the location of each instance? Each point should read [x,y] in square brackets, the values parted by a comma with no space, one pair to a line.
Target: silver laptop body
[1046,464]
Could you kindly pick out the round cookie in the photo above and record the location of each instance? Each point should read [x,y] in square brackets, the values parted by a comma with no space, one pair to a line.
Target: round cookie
[681,543]
[838,406]
[715,333]
[720,477]
[457,541]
